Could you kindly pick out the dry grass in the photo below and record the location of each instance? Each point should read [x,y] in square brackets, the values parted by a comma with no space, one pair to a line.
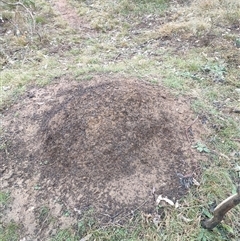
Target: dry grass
[189,47]
[202,17]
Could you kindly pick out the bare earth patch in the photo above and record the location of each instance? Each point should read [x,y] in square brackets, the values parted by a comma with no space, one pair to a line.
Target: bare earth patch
[102,145]
[70,15]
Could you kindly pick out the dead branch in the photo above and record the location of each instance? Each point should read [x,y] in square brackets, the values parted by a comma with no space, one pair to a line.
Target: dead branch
[222,209]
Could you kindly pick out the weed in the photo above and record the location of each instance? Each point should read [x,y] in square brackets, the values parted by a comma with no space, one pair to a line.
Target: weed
[9,232]
[4,198]
[201,147]
[216,71]
[189,47]
[3,147]
[238,42]
[41,19]
[64,235]
[37,187]
[43,214]
[174,82]
[87,223]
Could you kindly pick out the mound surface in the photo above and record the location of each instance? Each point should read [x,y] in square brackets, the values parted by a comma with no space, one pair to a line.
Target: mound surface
[104,144]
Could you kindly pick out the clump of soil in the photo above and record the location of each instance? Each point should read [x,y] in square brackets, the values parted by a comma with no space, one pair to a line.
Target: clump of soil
[104,144]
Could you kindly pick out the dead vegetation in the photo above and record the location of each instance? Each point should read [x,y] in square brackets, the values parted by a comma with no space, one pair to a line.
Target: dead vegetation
[191,47]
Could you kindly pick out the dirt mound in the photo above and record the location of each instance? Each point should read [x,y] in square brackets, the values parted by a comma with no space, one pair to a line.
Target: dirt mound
[103,144]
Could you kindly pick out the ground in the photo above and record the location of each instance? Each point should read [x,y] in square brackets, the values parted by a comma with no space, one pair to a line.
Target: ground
[113,105]
[103,145]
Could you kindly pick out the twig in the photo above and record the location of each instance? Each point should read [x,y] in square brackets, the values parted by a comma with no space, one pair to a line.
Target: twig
[236,139]
[189,127]
[132,212]
[187,135]
[237,111]
[23,6]
[117,56]
[193,122]
[221,209]
[153,193]
[112,217]
[138,207]
[186,131]
[42,226]
[220,154]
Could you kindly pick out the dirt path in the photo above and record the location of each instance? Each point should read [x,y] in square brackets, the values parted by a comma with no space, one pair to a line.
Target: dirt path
[71,17]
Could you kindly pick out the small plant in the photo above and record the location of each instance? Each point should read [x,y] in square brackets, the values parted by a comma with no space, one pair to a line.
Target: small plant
[9,232]
[37,187]
[201,147]
[67,213]
[238,42]
[64,234]
[43,213]
[216,71]
[4,198]
[3,146]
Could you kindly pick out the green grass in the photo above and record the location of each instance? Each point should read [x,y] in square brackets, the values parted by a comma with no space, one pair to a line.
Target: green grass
[9,232]
[147,40]
[4,198]
[144,6]
[63,235]
[133,230]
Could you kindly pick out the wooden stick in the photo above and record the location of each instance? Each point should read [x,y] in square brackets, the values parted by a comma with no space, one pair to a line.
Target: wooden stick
[186,130]
[222,209]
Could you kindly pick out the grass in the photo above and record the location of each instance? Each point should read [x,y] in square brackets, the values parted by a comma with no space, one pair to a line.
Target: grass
[87,227]
[4,198]
[9,232]
[190,47]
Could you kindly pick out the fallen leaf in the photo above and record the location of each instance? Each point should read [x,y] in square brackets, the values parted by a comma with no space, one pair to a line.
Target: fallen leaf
[177,204]
[186,220]
[165,199]
[195,182]
[5,88]
[86,238]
